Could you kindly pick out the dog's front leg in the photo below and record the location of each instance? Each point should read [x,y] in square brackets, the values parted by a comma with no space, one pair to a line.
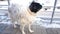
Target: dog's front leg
[22,29]
[30,30]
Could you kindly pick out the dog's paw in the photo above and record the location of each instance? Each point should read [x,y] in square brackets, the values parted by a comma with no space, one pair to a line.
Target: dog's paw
[14,26]
[23,32]
[31,31]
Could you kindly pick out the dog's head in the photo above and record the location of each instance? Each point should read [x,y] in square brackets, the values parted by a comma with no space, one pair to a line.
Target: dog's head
[35,7]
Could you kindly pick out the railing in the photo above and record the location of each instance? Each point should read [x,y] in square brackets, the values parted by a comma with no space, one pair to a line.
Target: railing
[4,12]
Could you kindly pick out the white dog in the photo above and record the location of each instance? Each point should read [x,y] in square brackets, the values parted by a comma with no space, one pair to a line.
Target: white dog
[24,15]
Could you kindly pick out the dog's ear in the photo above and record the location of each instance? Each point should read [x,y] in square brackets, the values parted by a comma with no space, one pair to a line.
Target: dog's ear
[35,7]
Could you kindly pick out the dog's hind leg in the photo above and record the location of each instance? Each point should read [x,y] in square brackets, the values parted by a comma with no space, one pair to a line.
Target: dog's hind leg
[13,22]
[30,30]
[22,28]
[14,25]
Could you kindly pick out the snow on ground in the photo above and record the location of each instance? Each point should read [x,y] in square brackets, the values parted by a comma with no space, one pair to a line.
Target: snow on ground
[50,25]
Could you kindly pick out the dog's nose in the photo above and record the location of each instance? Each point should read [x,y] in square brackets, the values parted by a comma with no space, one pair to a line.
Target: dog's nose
[45,8]
[35,7]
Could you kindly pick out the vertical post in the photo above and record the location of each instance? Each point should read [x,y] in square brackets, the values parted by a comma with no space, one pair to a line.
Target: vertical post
[8,2]
[53,11]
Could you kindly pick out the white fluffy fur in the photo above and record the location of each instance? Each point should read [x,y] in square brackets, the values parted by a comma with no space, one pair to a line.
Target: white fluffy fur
[21,15]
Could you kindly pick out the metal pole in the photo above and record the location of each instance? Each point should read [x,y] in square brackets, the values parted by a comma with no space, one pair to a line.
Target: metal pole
[8,4]
[53,11]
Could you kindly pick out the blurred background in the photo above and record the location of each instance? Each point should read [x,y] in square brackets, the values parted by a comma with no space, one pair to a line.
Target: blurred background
[49,19]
